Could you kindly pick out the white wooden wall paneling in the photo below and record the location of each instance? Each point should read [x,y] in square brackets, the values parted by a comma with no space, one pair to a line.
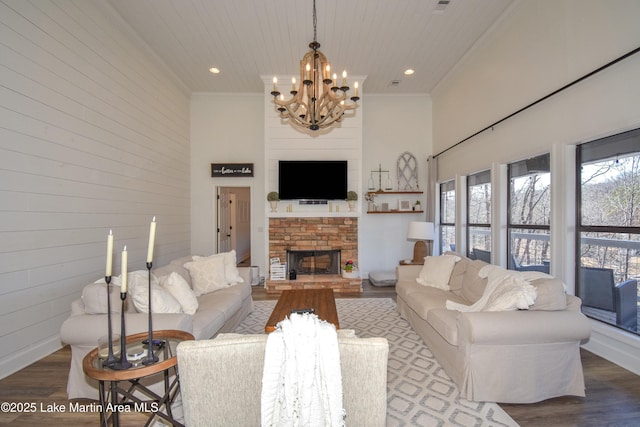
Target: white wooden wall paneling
[78,28]
[94,135]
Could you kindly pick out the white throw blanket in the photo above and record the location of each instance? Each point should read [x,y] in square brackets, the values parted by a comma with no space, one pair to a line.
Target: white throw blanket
[302,381]
[505,290]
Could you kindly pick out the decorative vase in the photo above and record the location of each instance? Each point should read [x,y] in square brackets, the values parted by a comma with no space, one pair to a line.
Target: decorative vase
[350,274]
[274,205]
[352,205]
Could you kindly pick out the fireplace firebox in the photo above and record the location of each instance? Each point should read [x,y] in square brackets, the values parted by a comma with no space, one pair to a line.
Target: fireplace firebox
[314,261]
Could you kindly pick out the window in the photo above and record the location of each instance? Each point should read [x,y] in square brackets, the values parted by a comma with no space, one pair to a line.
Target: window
[608,266]
[529,214]
[447,216]
[478,213]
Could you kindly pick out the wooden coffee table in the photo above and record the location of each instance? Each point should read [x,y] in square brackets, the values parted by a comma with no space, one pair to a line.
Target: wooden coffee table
[321,301]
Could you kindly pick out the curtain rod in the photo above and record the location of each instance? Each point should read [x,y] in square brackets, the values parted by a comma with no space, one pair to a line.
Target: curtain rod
[586,76]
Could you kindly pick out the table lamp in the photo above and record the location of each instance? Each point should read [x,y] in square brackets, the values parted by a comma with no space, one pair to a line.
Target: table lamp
[420,231]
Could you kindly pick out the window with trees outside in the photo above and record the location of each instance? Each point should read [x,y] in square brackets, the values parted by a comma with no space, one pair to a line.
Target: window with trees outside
[608,222]
[529,211]
[478,213]
[447,216]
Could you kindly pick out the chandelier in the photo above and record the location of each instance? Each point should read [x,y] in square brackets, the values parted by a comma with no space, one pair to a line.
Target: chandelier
[317,102]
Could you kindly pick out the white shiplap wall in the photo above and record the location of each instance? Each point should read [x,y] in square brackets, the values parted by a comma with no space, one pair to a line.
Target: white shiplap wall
[94,135]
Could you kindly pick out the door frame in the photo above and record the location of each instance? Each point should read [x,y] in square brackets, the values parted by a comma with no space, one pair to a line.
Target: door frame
[240,214]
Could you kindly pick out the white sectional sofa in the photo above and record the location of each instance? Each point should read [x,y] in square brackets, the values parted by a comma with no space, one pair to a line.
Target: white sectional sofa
[510,355]
[219,310]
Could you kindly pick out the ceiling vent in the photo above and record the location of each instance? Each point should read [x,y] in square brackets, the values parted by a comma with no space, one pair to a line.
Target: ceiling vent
[441,6]
[394,83]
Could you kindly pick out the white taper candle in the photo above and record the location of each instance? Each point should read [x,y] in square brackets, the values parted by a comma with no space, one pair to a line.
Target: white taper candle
[123,277]
[109,254]
[152,240]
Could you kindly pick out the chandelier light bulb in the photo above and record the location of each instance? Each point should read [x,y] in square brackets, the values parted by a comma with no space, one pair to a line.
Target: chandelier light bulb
[307,69]
[355,96]
[344,86]
[275,92]
[326,76]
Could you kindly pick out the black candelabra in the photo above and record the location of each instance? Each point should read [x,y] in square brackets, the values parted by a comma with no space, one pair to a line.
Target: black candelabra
[151,358]
[123,363]
[111,358]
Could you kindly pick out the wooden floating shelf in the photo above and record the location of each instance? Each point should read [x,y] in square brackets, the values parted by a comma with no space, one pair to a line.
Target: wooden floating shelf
[394,192]
[394,212]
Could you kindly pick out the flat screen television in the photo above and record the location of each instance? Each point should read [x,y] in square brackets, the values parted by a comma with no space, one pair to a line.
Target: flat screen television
[312,179]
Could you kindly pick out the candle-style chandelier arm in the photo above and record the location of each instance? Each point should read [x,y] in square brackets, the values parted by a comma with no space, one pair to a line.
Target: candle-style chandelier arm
[331,110]
[329,107]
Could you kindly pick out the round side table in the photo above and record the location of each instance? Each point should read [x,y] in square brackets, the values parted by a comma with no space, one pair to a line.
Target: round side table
[119,399]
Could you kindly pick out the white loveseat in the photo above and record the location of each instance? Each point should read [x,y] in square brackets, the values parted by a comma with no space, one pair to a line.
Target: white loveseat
[221,310]
[515,356]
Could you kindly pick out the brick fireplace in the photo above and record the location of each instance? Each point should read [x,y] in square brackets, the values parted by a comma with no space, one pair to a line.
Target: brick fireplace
[316,234]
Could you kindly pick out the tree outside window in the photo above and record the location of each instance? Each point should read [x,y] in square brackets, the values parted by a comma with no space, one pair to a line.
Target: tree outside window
[529,214]
[447,216]
[478,212]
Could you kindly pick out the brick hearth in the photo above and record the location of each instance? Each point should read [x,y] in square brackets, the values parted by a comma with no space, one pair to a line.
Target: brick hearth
[318,233]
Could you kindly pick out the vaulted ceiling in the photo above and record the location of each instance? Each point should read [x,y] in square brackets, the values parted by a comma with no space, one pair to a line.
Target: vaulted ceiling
[247,39]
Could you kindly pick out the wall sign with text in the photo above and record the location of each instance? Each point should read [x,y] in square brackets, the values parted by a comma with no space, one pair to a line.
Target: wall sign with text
[219,170]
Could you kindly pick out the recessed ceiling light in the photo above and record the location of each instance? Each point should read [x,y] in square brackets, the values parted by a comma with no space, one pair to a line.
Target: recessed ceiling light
[214,70]
[408,72]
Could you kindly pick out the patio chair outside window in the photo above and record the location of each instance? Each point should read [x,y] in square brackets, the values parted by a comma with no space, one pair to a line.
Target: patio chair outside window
[602,298]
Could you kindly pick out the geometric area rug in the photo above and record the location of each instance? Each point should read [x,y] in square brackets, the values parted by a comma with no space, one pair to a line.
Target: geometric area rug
[419,392]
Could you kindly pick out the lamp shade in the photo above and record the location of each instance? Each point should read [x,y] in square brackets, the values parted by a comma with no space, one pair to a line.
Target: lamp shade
[420,230]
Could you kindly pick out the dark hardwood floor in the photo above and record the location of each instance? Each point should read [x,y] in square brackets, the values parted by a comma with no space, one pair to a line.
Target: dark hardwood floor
[613,393]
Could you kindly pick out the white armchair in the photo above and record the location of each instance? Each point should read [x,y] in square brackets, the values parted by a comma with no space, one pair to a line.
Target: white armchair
[221,379]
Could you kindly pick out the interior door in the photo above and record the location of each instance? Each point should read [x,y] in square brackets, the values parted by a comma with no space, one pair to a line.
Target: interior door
[224,220]
[234,222]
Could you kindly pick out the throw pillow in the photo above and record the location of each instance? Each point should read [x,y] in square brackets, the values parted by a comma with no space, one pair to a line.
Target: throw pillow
[207,274]
[175,284]
[473,286]
[436,271]
[231,272]
[161,300]
[94,297]
[505,290]
[458,274]
[551,294]
[511,293]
